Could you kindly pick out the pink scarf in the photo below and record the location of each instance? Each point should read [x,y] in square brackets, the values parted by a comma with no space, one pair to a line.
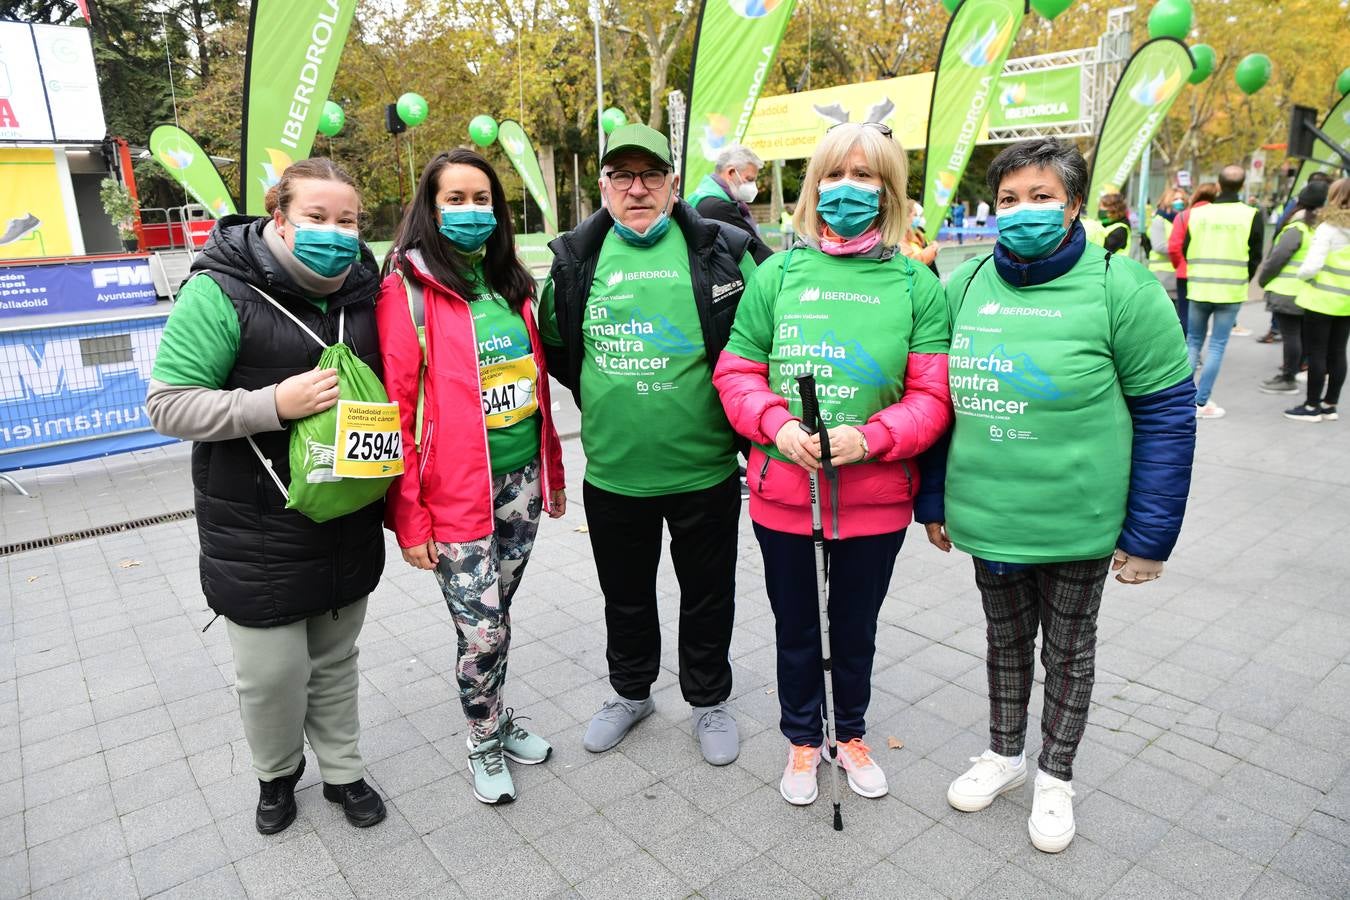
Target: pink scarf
[837,245]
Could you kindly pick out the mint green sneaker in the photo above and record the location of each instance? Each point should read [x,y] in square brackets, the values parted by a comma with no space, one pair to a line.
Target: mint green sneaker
[491,782]
[520,745]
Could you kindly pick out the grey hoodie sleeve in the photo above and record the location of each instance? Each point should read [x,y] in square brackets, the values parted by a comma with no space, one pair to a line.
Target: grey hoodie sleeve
[1279,257]
[205,414]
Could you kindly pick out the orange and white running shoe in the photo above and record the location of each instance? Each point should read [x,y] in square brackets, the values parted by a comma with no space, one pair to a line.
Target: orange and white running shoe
[798,786]
[864,775]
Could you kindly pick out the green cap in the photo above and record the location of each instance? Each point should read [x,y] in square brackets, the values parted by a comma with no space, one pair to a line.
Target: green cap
[637,136]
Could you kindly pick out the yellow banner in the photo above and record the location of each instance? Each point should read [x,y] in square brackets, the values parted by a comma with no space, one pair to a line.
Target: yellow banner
[32,213]
[790,125]
[369,441]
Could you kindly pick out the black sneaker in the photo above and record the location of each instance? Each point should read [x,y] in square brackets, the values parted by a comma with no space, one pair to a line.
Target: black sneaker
[276,802]
[362,806]
[1303,413]
[1329,413]
[1280,383]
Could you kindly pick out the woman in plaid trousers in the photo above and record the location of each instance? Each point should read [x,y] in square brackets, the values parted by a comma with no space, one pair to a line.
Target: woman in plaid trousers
[1069,457]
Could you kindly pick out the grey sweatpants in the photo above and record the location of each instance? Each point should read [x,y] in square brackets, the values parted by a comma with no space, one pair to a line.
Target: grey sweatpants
[300,681]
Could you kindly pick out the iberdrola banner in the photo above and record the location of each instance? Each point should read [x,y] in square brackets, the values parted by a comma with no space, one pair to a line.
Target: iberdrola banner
[1153,79]
[189,165]
[520,151]
[1324,159]
[293,52]
[978,38]
[734,49]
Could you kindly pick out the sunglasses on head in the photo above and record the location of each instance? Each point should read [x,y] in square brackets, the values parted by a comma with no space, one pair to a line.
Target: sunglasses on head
[879,126]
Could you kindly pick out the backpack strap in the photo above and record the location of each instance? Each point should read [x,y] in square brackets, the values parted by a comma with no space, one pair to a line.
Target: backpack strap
[970,281]
[417,312]
[342,318]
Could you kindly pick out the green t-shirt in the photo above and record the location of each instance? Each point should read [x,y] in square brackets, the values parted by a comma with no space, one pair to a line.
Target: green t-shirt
[201,337]
[652,423]
[1039,467]
[508,378]
[850,321]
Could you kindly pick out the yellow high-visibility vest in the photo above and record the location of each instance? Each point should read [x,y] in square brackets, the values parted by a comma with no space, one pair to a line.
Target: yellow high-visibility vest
[1216,253]
[1329,292]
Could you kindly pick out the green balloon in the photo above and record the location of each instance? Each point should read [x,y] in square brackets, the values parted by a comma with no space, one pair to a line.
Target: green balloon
[1343,82]
[613,118]
[332,119]
[1050,8]
[1203,54]
[1170,18]
[951,5]
[483,130]
[412,109]
[1252,73]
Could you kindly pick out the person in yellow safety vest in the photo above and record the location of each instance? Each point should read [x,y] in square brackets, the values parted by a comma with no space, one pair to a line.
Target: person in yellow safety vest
[1093,230]
[1223,249]
[785,225]
[1172,202]
[1114,214]
[1279,276]
[1326,307]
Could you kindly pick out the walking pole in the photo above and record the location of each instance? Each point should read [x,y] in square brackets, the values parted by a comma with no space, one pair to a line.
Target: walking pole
[806,387]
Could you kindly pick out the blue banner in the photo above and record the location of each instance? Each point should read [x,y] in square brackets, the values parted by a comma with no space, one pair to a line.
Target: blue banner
[75,287]
[75,391]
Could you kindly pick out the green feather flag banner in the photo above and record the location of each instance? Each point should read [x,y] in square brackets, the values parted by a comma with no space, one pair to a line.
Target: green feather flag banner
[734,50]
[978,38]
[1150,83]
[293,52]
[189,165]
[516,143]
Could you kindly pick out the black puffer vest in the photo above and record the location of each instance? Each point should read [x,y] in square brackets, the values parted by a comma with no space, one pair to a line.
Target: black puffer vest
[262,564]
[715,252]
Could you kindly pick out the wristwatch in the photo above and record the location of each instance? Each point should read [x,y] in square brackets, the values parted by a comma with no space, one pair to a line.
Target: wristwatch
[863,439]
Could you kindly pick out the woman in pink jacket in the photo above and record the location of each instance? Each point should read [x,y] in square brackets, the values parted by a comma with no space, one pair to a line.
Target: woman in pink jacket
[847,306]
[462,358]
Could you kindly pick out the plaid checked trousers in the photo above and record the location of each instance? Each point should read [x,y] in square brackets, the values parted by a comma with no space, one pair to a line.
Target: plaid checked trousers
[1062,599]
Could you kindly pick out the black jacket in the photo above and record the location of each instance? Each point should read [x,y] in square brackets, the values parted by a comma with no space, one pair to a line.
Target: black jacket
[262,564]
[715,252]
[727,211]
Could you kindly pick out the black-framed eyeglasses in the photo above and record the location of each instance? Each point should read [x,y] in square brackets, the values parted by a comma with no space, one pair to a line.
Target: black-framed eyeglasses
[652,179]
[879,126]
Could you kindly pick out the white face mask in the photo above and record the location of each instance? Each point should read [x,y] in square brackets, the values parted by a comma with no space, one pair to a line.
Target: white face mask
[747,191]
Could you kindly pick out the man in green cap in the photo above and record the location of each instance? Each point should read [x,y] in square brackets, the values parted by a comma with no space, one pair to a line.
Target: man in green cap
[638,306]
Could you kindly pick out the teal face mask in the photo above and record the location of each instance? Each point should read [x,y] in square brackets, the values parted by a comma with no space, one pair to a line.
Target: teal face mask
[326,249]
[654,232]
[467,227]
[1178,205]
[848,206]
[1032,231]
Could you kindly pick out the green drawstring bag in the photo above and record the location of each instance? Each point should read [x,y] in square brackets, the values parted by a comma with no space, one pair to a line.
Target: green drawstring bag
[344,458]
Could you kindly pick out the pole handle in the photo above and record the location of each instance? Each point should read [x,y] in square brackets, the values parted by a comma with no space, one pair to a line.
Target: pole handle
[806,389]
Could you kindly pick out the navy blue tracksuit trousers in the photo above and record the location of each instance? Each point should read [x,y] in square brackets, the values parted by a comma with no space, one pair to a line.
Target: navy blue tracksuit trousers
[859,575]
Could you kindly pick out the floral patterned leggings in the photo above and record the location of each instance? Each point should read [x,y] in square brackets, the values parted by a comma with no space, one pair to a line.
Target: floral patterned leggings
[478,579]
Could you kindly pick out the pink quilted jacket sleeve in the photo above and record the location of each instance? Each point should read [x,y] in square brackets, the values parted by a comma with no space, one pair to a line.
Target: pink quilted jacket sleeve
[754,410]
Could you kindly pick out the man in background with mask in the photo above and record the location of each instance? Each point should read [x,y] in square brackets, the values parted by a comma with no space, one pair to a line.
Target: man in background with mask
[637,308]
[727,193]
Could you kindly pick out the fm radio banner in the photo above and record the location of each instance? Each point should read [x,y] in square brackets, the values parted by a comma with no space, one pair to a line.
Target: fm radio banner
[75,287]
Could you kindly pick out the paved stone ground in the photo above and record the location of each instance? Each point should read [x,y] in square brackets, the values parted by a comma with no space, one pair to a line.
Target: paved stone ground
[1214,765]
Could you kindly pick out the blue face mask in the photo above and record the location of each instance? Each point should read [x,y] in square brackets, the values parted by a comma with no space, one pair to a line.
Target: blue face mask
[467,227]
[326,249]
[654,232]
[1178,205]
[1032,231]
[848,206]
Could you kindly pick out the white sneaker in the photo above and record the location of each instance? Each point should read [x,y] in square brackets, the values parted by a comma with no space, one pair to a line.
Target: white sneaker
[798,786]
[1301,377]
[1210,410]
[991,775]
[864,775]
[1240,331]
[1051,824]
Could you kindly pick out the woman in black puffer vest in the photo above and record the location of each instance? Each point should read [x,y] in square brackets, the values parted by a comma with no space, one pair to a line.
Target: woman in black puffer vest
[232,366]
